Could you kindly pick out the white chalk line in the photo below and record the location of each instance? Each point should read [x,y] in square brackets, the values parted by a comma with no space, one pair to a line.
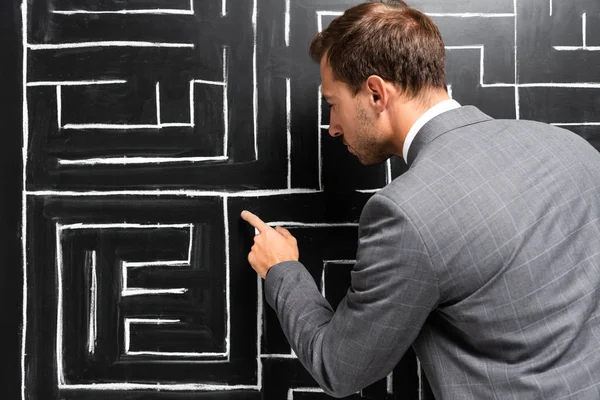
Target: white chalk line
[76,83]
[290,393]
[157,100]
[584,30]
[95,126]
[24,226]
[192,104]
[225,103]
[120,225]
[134,291]
[369,190]
[278,356]
[574,85]
[259,332]
[59,307]
[157,11]
[59,106]
[170,263]
[139,160]
[92,325]
[577,48]
[341,261]
[288,129]
[575,123]
[126,12]
[255,76]
[516,70]
[182,355]
[287,23]
[81,45]
[473,15]
[157,387]
[420,379]
[227,275]
[179,192]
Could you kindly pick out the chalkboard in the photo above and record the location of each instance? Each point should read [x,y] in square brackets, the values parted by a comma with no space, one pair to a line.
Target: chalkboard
[148,125]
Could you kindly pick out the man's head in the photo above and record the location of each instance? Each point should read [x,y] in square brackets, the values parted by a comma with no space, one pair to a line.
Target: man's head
[375,59]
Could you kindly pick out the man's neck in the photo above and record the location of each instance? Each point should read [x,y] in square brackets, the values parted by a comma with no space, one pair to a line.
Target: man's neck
[410,111]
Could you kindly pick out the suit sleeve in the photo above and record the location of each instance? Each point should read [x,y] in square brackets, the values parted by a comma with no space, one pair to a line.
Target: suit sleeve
[393,289]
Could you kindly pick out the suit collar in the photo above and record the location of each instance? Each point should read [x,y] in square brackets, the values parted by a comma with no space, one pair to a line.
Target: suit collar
[443,123]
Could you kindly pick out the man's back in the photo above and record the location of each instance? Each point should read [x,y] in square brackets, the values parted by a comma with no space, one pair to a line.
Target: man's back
[510,214]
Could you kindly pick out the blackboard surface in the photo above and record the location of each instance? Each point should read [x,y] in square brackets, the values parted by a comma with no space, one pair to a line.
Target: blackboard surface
[11,286]
[149,125]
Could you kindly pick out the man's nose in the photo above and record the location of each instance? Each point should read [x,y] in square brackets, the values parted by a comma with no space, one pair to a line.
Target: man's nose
[335,129]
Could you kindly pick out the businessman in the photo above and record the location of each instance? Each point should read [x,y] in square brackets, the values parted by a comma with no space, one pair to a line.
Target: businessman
[484,256]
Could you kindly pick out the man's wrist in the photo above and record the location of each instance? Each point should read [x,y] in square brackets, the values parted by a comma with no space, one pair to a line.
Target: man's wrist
[275,277]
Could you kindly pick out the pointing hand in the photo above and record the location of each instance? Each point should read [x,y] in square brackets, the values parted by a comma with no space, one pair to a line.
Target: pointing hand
[271,246]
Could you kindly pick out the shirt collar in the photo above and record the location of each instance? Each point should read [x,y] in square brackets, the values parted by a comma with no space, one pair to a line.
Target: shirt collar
[434,111]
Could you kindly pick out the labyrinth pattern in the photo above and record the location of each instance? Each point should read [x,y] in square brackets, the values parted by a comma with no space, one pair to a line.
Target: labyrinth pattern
[150,125]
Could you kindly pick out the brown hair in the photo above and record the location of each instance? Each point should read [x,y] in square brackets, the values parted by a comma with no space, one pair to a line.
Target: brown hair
[392,40]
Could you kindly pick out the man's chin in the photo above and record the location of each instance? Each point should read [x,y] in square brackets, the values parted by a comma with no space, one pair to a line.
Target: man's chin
[368,161]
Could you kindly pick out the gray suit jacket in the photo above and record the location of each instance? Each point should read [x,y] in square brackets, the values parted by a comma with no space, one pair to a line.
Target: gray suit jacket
[485,256]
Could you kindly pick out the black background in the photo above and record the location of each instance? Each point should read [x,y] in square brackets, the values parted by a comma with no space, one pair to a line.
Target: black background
[10,199]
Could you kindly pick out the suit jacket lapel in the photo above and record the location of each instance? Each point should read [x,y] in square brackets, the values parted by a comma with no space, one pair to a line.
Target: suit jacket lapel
[445,122]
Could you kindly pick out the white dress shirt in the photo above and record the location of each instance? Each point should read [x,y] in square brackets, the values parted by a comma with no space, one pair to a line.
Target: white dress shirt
[434,111]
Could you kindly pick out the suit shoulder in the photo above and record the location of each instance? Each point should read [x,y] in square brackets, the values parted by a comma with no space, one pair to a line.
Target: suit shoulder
[401,189]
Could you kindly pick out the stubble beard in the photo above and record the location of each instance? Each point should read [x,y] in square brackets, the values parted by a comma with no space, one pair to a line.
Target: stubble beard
[369,149]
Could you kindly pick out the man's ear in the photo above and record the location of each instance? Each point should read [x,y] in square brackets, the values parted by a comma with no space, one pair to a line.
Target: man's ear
[378,91]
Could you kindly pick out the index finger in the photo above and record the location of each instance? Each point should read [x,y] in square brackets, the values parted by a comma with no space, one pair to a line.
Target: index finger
[255,221]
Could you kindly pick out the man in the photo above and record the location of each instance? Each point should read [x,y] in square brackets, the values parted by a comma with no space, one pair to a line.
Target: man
[484,256]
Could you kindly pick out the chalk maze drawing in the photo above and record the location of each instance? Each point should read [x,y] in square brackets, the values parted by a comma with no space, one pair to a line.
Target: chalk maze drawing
[141,304]
[560,65]
[150,125]
[131,86]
